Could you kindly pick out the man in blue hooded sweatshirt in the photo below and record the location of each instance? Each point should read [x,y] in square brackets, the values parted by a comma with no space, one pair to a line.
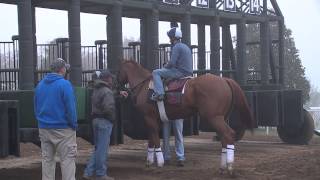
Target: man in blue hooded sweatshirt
[55,110]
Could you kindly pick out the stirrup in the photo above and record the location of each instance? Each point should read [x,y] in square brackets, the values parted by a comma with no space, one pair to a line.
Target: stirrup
[155,97]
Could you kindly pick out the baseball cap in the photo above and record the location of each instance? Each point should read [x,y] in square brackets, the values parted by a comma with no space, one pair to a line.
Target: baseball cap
[59,63]
[175,32]
[102,74]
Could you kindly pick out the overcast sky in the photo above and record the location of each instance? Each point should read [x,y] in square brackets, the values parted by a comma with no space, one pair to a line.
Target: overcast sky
[302,17]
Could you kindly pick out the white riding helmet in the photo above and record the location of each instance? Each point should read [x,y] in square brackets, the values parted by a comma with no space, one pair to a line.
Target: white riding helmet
[175,33]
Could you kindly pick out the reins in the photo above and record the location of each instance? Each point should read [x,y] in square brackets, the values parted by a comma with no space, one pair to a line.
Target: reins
[140,85]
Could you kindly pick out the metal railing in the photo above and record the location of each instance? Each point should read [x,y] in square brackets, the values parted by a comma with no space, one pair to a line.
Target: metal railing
[9,66]
[93,58]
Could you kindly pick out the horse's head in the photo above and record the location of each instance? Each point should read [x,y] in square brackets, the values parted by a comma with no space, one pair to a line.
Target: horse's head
[122,76]
[131,72]
[126,67]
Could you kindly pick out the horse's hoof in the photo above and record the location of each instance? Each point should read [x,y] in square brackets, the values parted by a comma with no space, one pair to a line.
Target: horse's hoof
[180,163]
[148,164]
[231,173]
[160,165]
[230,170]
[222,171]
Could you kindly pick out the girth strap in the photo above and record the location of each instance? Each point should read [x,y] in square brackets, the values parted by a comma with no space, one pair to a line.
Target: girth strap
[162,112]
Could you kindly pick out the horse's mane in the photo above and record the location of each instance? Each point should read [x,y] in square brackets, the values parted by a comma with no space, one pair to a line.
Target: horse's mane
[136,65]
[129,61]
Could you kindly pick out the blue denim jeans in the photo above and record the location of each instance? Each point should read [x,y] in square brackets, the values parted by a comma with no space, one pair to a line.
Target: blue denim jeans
[97,164]
[164,73]
[177,126]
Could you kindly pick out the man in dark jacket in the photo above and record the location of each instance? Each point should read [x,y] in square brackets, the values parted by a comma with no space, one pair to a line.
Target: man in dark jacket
[103,114]
[55,110]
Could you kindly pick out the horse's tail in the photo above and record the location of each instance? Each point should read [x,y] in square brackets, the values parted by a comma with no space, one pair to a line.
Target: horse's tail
[241,104]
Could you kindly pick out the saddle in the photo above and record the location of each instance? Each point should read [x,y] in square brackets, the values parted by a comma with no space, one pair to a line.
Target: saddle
[174,89]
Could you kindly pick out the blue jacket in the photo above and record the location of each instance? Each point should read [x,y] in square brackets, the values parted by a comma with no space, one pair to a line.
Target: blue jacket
[55,103]
[181,59]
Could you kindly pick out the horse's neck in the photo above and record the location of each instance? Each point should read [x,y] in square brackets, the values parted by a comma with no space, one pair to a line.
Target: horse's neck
[137,75]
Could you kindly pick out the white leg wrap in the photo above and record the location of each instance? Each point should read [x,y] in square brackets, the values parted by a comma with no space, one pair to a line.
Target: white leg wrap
[150,157]
[223,163]
[230,154]
[159,155]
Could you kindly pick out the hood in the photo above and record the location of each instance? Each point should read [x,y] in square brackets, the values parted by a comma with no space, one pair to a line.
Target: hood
[52,77]
[100,83]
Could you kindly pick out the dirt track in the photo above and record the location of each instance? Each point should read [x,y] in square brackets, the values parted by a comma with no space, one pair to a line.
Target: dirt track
[258,157]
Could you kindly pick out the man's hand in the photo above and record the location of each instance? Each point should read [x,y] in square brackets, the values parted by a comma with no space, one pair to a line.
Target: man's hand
[124,93]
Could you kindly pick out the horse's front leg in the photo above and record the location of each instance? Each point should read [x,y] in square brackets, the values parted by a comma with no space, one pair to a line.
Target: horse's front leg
[154,149]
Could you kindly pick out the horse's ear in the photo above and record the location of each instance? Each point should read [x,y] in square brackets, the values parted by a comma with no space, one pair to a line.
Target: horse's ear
[123,61]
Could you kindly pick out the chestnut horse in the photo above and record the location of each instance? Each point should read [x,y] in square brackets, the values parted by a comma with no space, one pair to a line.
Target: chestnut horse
[211,96]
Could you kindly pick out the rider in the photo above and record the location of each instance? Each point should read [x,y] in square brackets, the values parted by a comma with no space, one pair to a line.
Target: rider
[180,64]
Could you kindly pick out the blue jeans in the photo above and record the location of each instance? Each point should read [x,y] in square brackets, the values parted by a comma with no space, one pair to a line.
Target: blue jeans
[164,73]
[179,147]
[97,164]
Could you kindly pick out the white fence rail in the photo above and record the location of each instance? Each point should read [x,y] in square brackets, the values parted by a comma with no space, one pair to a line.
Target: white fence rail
[315,113]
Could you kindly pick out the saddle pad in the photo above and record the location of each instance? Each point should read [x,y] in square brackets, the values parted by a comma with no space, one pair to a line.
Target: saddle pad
[172,85]
[176,84]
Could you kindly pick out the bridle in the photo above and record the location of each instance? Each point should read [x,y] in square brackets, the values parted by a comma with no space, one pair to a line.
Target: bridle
[132,90]
[135,90]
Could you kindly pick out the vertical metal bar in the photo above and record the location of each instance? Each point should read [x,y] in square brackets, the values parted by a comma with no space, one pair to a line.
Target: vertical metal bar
[97,50]
[265,7]
[201,47]
[47,57]
[139,54]
[1,61]
[34,38]
[134,47]
[9,73]
[213,4]
[273,66]
[100,57]
[232,56]
[265,52]
[144,40]
[241,53]
[14,66]
[88,59]
[9,54]
[15,40]
[225,49]
[281,52]
[1,73]
[93,52]
[26,46]
[75,42]
[105,54]
[63,49]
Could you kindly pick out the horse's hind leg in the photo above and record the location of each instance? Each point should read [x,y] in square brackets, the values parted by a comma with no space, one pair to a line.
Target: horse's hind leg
[227,142]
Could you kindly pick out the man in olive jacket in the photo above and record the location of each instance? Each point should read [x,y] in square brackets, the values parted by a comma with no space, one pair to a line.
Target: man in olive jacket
[103,115]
